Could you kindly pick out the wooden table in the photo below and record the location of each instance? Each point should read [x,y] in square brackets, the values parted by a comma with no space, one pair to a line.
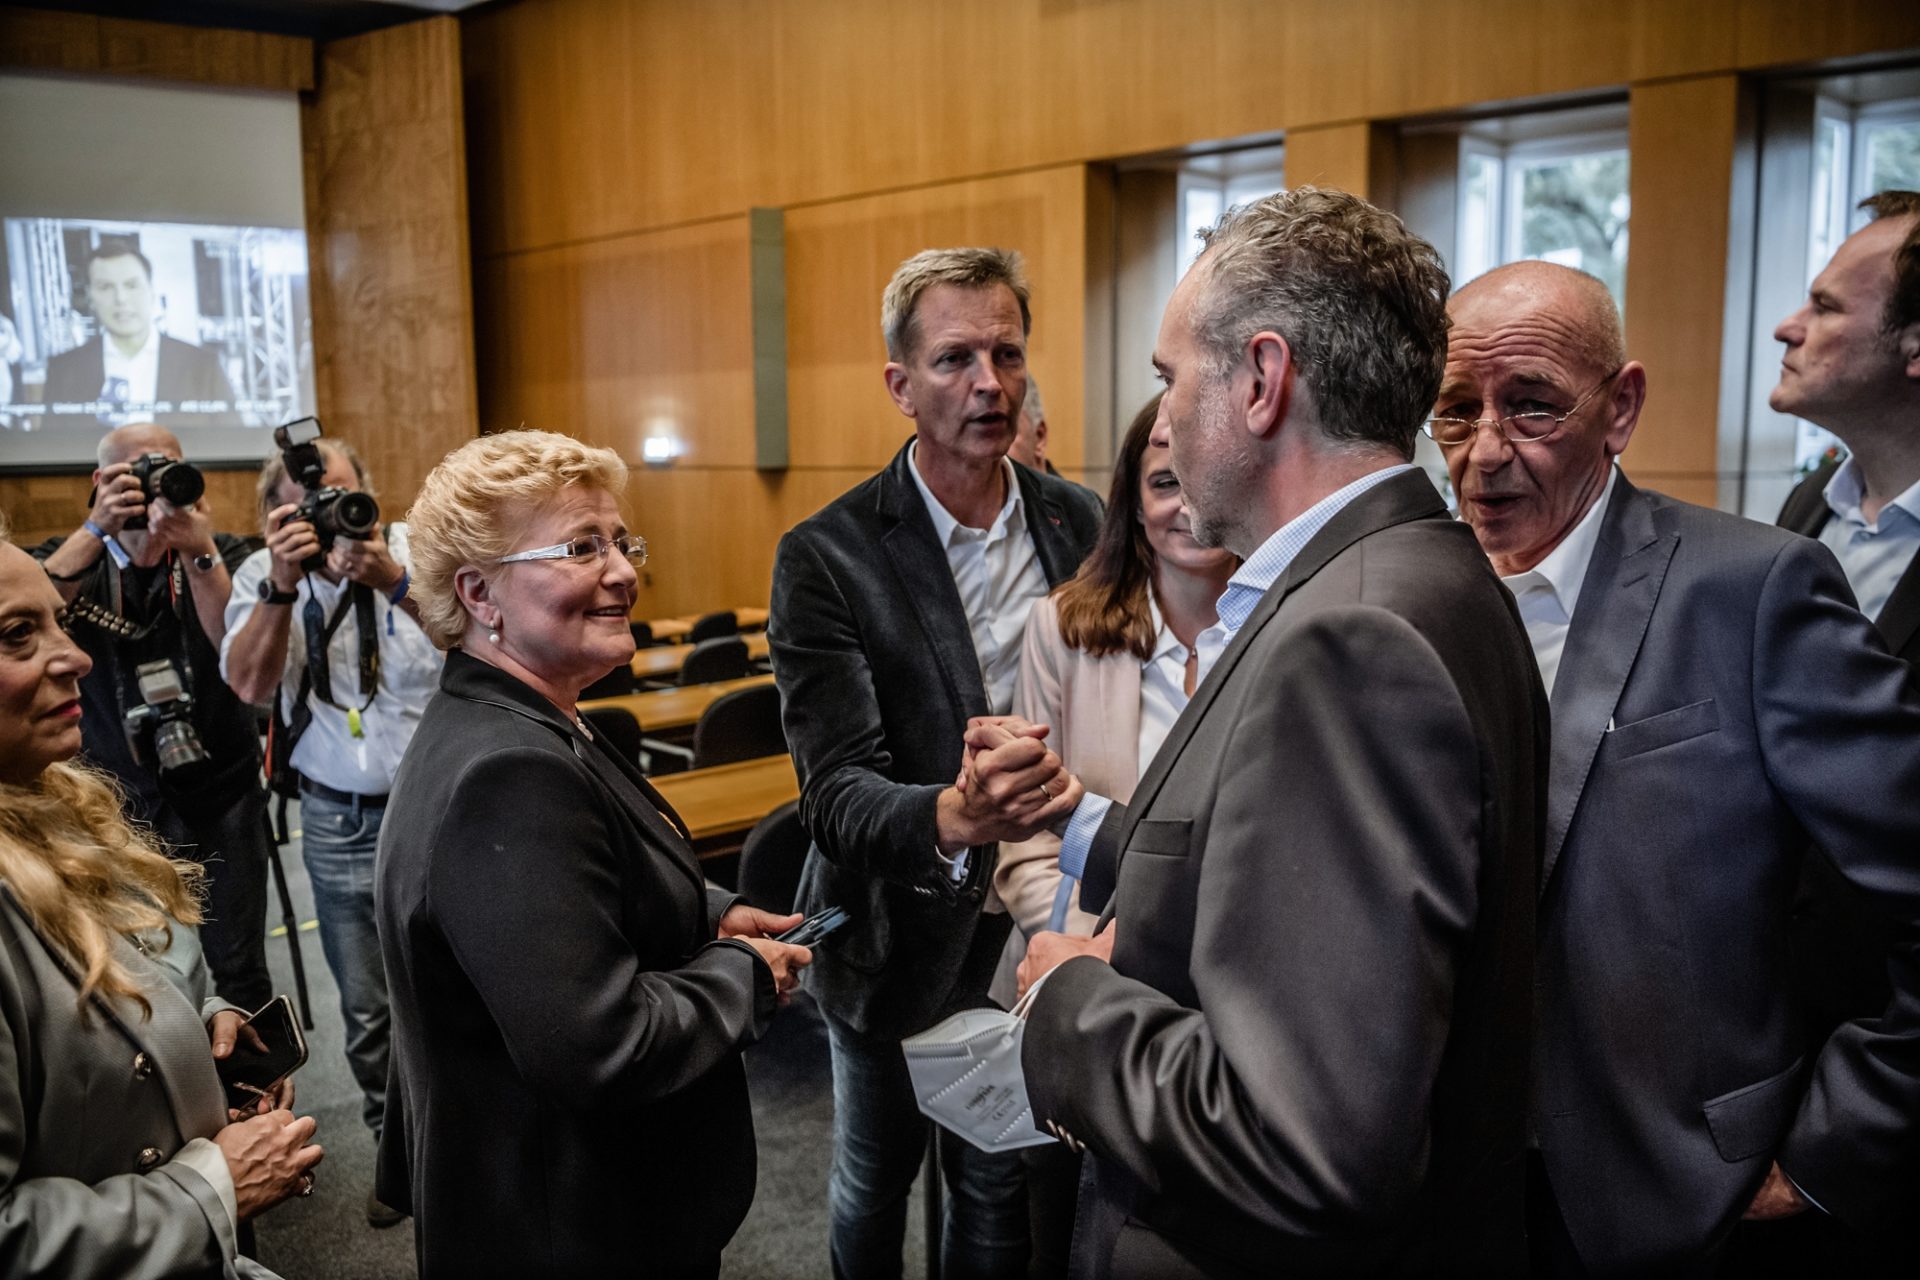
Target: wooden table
[750,618]
[720,805]
[672,708]
[664,660]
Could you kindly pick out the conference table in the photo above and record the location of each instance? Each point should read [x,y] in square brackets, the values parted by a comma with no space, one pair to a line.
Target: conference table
[664,660]
[748,617]
[679,708]
[720,805]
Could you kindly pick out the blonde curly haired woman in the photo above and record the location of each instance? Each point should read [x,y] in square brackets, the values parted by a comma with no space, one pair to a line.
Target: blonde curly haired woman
[118,1156]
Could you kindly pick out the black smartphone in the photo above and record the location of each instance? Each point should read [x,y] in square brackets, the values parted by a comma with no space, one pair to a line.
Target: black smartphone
[811,931]
[268,1049]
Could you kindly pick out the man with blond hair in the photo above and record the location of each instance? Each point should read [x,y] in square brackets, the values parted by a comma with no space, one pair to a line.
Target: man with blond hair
[897,615]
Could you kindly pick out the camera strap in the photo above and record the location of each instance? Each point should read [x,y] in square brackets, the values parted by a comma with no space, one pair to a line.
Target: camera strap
[319,674]
[116,624]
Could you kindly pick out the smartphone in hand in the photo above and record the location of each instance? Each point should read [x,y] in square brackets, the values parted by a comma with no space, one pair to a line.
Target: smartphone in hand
[268,1049]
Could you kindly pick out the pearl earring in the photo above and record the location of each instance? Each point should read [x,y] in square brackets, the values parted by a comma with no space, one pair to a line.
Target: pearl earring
[494,636]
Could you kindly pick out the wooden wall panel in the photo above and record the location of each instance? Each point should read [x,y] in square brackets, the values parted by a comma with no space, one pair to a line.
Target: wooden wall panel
[1682,140]
[39,507]
[60,41]
[387,219]
[619,339]
[839,259]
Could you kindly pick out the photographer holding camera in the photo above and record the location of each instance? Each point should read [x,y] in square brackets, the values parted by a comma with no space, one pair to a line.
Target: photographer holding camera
[145,582]
[319,624]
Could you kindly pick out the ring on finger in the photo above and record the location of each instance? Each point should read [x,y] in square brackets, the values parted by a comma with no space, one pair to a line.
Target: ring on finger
[306,1185]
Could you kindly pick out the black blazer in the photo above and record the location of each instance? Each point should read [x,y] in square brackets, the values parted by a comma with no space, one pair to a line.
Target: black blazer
[186,373]
[1806,511]
[566,1095]
[1310,1052]
[1720,704]
[878,677]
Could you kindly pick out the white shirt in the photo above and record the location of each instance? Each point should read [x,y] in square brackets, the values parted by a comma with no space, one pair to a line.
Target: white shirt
[1875,555]
[1249,583]
[328,752]
[141,370]
[1548,592]
[1163,688]
[999,576]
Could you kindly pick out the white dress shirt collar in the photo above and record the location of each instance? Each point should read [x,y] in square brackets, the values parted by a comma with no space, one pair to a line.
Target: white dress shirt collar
[1846,489]
[1564,571]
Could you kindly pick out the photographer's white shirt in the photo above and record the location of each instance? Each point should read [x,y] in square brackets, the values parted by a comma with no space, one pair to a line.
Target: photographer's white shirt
[329,753]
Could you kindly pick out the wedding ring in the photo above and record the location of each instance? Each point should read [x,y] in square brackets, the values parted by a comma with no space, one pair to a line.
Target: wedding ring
[306,1184]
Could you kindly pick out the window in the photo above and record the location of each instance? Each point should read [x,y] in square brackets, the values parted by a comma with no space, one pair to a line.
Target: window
[1205,195]
[1561,199]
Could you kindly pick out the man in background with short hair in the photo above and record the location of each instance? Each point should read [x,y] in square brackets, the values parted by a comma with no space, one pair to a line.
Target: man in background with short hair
[147,583]
[897,614]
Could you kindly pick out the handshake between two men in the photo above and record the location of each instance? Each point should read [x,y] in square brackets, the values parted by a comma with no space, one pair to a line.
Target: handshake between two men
[1011,787]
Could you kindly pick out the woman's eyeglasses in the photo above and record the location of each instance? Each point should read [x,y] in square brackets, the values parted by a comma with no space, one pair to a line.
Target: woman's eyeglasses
[632,546]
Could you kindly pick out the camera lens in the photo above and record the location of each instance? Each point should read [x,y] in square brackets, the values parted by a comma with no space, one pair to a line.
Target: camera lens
[178,747]
[355,515]
[178,482]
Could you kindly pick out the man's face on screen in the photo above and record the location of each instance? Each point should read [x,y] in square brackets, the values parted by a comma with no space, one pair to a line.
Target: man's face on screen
[122,297]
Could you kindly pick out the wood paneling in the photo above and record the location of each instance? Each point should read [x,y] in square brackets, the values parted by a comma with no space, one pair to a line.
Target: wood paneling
[620,339]
[48,506]
[387,218]
[58,41]
[1682,140]
[646,113]
[1357,158]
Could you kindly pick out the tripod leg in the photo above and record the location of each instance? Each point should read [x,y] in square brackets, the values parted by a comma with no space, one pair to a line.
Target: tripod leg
[276,833]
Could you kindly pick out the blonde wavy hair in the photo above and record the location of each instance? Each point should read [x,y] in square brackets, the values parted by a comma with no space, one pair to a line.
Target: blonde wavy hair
[473,506]
[84,874]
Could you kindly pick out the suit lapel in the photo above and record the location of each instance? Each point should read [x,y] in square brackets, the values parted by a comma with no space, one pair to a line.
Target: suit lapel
[1623,581]
[915,552]
[1405,497]
[1899,618]
[1046,524]
[1806,511]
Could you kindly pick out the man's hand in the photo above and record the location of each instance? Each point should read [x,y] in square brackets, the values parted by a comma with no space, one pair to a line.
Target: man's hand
[369,563]
[188,530]
[117,498]
[786,961]
[743,921]
[290,546]
[1046,951]
[1776,1198]
[1010,787]
[984,732]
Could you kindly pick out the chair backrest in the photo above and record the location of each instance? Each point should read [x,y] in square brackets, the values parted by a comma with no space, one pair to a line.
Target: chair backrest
[619,728]
[722,658]
[772,858]
[617,683]
[709,625]
[642,634]
[742,725]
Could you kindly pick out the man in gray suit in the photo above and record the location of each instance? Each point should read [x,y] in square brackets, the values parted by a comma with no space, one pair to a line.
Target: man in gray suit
[1308,1052]
[1718,705]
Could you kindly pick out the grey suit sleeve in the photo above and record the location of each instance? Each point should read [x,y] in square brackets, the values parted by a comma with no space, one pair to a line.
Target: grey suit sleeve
[138,1226]
[1337,899]
[1839,723]
[530,902]
[861,820]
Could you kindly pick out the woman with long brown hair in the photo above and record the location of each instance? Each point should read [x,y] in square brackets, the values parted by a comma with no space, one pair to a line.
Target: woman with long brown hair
[1109,664]
[118,1156]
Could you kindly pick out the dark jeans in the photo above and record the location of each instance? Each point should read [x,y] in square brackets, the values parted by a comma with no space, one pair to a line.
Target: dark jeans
[227,835]
[879,1137]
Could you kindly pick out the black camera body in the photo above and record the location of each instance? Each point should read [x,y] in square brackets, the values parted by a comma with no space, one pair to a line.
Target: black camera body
[333,513]
[180,483]
[165,709]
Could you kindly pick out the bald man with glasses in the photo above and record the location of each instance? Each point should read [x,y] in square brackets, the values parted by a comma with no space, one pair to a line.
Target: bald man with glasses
[1718,704]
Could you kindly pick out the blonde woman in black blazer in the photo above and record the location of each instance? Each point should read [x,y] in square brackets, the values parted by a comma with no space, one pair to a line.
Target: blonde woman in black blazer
[569,999]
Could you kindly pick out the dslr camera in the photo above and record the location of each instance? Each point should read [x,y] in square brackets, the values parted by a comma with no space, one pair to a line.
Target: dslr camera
[180,483]
[165,708]
[333,513]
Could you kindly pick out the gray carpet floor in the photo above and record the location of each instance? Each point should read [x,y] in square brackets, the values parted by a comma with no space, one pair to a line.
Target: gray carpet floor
[326,1237]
